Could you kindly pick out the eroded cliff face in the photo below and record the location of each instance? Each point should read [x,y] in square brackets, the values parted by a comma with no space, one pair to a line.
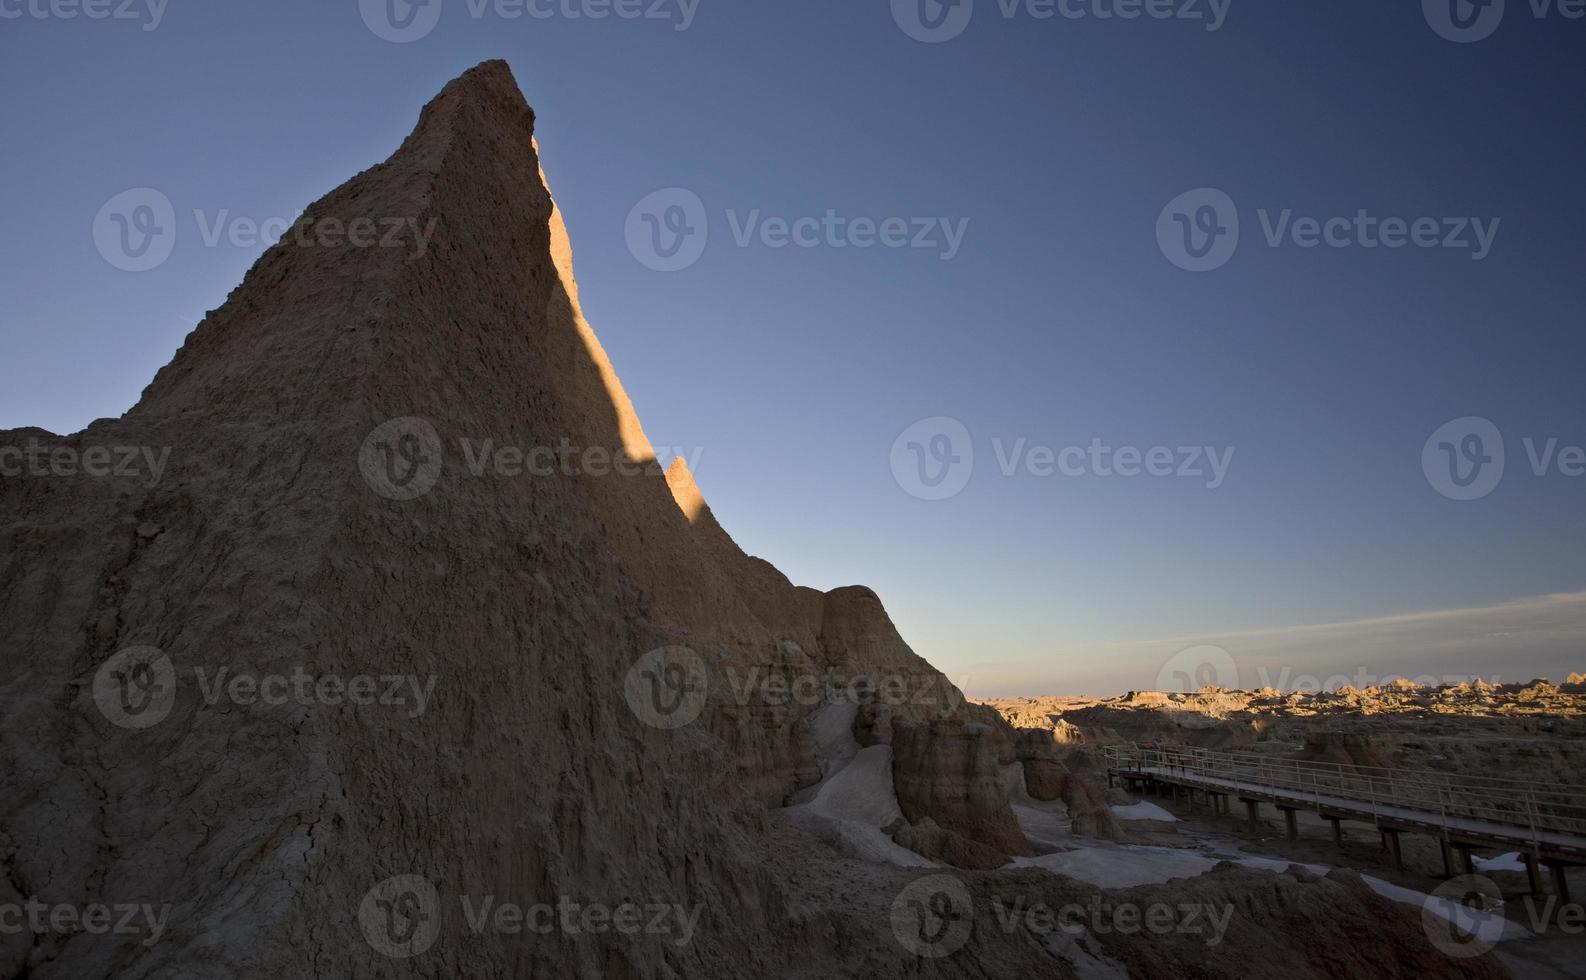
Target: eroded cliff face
[263,550]
[332,507]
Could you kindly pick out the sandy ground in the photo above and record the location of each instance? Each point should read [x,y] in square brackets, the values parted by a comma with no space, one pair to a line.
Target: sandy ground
[1199,837]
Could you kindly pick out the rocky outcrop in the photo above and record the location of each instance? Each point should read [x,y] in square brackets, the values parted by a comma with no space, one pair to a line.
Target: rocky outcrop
[948,771]
[591,702]
[1345,749]
[928,839]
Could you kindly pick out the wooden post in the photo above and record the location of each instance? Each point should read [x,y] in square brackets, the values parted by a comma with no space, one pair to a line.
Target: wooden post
[1533,875]
[1338,831]
[1560,883]
[1466,862]
[1253,811]
[1448,858]
[1391,839]
[1291,822]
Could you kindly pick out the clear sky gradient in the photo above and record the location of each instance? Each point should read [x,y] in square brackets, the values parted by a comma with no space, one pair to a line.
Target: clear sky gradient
[1054,145]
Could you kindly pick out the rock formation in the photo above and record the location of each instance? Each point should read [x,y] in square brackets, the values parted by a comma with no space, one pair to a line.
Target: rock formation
[343,501]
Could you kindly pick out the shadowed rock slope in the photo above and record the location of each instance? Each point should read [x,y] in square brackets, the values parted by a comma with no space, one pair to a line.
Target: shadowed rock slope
[329,509]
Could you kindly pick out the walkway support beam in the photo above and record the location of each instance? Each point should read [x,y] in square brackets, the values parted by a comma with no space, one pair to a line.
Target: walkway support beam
[1560,883]
[1390,840]
[1533,875]
[1546,821]
[1291,822]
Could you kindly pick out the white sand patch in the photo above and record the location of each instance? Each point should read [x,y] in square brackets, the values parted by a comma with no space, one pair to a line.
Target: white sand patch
[1153,865]
[856,799]
[1122,865]
[1489,926]
[1503,862]
[1143,811]
[1013,782]
[1278,865]
[1128,865]
[1088,958]
[1045,824]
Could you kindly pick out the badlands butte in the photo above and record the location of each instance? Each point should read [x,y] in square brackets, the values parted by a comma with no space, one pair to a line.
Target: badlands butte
[642,752]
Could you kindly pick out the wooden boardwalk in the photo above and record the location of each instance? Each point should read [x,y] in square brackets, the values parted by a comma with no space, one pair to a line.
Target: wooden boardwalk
[1545,824]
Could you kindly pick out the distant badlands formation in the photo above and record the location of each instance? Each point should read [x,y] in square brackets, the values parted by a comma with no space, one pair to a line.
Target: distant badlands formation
[1535,730]
[792,828]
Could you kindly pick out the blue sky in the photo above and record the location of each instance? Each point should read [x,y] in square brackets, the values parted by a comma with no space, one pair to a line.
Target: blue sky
[1054,146]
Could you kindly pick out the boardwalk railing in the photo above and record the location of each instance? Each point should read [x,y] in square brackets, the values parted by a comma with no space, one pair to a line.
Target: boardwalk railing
[1528,810]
